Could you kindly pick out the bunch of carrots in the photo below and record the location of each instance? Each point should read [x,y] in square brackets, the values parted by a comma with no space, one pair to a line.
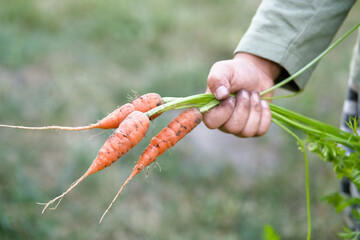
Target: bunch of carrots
[132,122]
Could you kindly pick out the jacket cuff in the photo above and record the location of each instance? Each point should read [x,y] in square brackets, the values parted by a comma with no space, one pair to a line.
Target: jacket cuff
[255,44]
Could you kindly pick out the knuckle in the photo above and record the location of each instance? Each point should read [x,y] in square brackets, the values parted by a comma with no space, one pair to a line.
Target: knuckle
[256,102]
[215,70]
[256,106]
[228,103]
[219,64]
[243,101]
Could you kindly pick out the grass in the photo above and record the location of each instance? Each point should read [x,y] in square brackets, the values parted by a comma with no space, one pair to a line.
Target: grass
[71,62]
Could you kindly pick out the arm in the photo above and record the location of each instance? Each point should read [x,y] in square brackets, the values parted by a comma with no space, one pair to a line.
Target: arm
[283,37]
[293,32]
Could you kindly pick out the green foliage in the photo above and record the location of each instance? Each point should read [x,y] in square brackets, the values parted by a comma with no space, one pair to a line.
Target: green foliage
[349,235]
[269,233]
[340,202]
[345,164]
[324,139]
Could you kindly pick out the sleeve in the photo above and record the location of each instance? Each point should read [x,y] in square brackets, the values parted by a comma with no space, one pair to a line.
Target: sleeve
[293,32]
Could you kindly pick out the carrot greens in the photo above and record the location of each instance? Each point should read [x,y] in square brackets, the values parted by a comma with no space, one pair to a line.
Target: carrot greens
[325,140]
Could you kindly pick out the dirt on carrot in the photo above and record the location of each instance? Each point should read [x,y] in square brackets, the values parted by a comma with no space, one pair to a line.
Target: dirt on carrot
[165,139]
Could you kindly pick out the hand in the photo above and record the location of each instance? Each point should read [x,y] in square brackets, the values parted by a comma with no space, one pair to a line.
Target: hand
[246,75]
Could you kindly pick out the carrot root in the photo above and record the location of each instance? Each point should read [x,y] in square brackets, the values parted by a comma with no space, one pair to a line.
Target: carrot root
[116,196]
[143,104]
[129,133]
[51,127]
[60,197]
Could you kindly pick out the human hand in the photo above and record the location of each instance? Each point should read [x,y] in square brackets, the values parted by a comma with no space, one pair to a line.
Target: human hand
[246,75]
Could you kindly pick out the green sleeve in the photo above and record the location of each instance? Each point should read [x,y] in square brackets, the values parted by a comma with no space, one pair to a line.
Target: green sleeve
[293,32]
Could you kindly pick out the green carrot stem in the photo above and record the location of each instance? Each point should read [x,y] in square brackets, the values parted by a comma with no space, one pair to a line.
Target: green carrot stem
[307,176]
[209,106]
[311,130]
[176,103]
[315,123]
[169,99]
[282,97]
[207,101]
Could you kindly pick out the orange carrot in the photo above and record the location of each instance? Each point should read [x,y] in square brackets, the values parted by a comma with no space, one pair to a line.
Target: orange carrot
[143,104]
[130,132]
[165,139]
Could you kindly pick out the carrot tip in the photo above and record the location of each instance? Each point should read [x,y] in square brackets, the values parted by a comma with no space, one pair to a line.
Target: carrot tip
[51,202]
[51,127]
[112,202]
[60,197]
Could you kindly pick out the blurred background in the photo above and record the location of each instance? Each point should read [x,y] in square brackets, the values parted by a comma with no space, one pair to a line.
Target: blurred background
[72,62]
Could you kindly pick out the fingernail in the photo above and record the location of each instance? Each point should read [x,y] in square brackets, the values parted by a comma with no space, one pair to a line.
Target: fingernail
[245,94]
[221,92]
[264,104]
[256,97]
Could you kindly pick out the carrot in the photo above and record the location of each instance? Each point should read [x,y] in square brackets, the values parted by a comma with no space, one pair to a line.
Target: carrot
[143,104]
[130,132]
[165,139]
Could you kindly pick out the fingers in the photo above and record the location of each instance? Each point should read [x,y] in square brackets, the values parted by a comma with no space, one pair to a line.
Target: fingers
[230,76]
[240,115]
[259,119]
[244,116]
[265,119]
[219,79]
[217,116]
[252,124]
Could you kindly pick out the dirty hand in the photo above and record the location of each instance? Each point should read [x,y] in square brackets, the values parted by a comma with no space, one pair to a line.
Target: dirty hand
[245,75]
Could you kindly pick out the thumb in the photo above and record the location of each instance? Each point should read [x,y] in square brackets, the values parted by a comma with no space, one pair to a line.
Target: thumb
[219,79]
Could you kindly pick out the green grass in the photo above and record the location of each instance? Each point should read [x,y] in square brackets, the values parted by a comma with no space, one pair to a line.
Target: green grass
[71,62]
